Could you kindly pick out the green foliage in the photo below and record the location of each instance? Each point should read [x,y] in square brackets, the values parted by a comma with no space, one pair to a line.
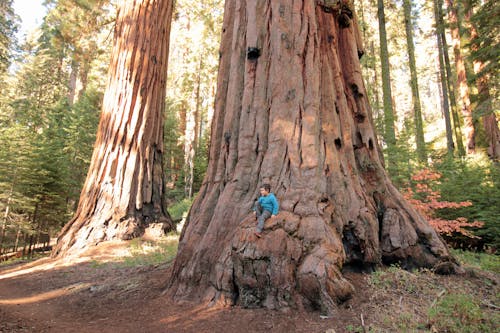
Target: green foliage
[9,23]
[476,179]
[396,278]
[80,128]
[404,156]
[180,209]
[485,48]
[151,253]
[458,313]
[427,201]
[45,143]
[484,261]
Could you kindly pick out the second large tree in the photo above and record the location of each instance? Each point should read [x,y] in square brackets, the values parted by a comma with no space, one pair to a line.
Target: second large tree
[123,194]
[292,111]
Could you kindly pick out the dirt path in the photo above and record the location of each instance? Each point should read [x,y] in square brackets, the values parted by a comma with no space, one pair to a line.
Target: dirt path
[89,296]
[55,296]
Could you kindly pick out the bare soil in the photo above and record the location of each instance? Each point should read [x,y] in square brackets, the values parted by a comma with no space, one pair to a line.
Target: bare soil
[98,293]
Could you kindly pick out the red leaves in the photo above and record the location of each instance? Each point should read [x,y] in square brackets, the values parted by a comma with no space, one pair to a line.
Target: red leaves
[427,201]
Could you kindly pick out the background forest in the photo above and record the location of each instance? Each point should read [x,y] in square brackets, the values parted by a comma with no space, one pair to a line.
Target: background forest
[430,68]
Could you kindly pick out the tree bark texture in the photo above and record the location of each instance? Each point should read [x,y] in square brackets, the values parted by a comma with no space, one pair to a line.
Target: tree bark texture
[442,79]
[449,80]
[417,110]
[124,190]
[463,88]
[490,121]
[291,110]
[389,118]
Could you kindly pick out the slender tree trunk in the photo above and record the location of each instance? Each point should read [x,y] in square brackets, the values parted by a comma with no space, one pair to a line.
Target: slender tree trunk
[193,146]
[389,132]
[442,79]
[33,222]
[291,110]
[83,78]
[450,88]
[18,234]
[6,214]
[124,190]
[73,77]
[417,110]
[463,88]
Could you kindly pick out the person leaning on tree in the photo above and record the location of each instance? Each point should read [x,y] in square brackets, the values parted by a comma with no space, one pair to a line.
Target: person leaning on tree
[265,207]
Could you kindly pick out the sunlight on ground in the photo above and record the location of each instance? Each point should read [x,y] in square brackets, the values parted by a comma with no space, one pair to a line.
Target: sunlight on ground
[201,312]
[104,252]
[47,295]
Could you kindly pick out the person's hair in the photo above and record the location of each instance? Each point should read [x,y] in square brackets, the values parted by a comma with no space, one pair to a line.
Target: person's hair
[266,187]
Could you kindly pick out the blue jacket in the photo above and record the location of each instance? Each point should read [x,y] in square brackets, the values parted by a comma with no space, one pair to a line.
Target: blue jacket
[269,203]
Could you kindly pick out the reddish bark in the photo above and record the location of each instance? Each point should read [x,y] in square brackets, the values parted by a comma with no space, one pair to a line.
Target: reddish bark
[490,121]
[123,194]
[463,88]
[293,112]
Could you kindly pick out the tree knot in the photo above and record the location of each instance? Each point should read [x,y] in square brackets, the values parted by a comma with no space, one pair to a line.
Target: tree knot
[342,9]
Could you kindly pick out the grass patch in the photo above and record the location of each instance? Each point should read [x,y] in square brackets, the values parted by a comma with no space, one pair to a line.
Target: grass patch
[396,278]
[180,209]
[480,260]
[146,253]
[459,313]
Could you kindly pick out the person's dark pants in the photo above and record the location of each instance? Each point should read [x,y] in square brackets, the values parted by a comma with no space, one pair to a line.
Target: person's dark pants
[262,216]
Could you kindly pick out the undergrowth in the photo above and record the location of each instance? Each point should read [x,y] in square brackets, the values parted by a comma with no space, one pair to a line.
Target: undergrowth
[145,253]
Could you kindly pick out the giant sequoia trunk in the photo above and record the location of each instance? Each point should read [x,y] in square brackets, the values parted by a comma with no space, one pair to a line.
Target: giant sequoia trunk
[291,110]
[484,106]
[463,88]
[123,194]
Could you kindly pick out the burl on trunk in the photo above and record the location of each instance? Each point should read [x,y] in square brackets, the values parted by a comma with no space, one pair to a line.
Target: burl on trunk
[291,110]
[123,195]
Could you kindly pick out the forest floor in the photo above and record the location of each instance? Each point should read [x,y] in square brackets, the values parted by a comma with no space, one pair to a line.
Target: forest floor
[117,287]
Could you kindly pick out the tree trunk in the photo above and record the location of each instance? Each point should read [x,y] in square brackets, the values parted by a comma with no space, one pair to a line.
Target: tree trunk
[484,106]
[389,132]
[449,76]
[291,110]
[73,76]
[16,244]
[193,145]
[442,79]
[124,190]
[417,110]
[463,88]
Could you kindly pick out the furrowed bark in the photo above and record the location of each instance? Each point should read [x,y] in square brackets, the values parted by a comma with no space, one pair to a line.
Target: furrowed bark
[123,195]
[291,110]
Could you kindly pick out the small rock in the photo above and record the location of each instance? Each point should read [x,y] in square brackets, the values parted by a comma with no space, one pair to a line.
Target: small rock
[331,330]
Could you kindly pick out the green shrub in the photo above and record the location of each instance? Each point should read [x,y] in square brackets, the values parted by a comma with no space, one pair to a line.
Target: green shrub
[476,179]
[178,210]
[484,261]
[151,253]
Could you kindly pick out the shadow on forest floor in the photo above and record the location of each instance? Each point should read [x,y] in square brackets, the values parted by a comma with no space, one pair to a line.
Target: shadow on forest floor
[116,287]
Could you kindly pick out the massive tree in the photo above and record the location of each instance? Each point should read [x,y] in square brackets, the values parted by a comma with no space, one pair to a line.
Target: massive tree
[291,110]
[123,194]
